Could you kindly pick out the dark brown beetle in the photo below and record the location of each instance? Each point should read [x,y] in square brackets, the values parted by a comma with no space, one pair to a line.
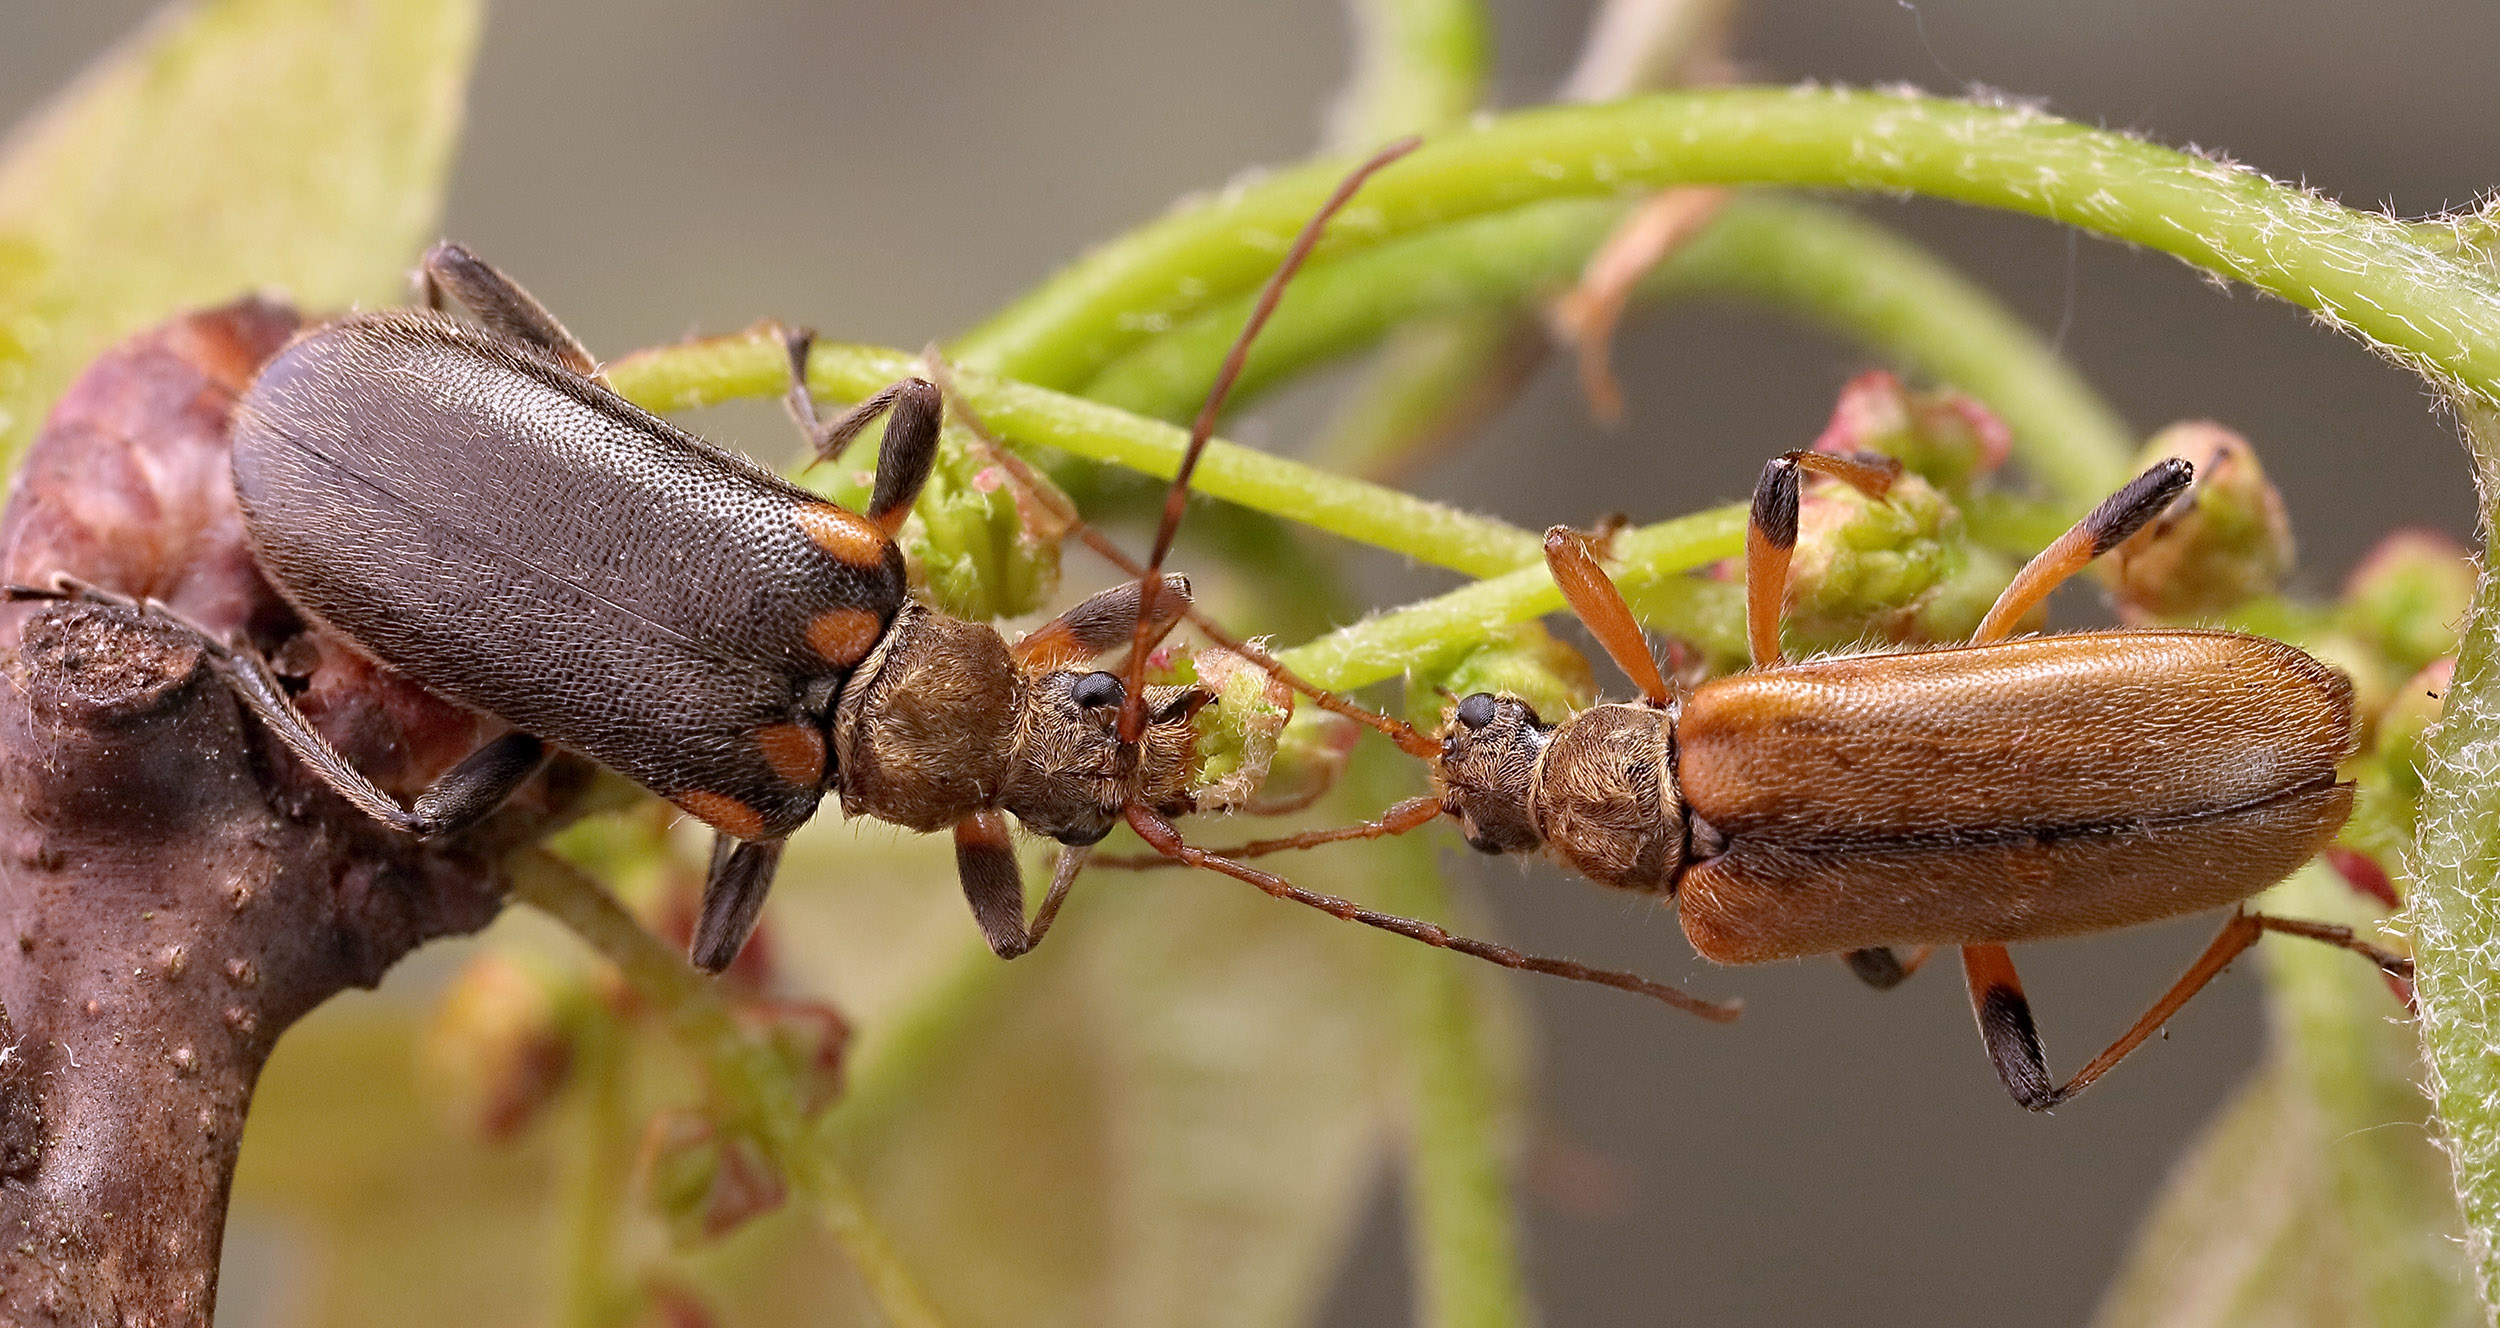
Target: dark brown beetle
[474,507]
[1974,796]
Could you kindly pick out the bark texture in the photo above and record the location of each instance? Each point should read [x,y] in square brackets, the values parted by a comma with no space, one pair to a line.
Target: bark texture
[175,890]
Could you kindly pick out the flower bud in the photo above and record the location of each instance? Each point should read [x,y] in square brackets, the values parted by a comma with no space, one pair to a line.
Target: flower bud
[2223,542]
[2408,597]
[974,549]
[1237,736]
[1879,569]
[2389,773]
[1946,437]
[705,1181]
[808,1039]
[499,1044]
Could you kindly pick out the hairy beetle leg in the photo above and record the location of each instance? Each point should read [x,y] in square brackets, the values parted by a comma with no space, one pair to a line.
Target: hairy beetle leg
[460,798]
[741,876]
[911,435]
[2013,1042]
[500,303]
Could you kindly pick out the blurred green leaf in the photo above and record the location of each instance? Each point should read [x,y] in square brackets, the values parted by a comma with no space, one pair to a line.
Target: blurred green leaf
[1171,1114]
[291,145]
[358,1202]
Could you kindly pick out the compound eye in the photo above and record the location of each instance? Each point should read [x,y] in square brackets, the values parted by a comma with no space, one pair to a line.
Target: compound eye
[1476,711]
[1096,690]
[1085,836]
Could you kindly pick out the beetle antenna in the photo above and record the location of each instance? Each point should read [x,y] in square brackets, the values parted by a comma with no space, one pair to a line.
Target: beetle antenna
[1176,499]
[1164,839]
[1034,493]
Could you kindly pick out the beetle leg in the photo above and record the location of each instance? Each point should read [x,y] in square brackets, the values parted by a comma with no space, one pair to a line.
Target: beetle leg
[1771,533]
[460,798]
[499,302]
[733,896]
[985,858]
[2396,968]
[480,783]
[2005,1025]
[2104,528]
[1883,968]
[1100,624]
[911,435]
[1162,838]
[1594,596]
[2014,1045]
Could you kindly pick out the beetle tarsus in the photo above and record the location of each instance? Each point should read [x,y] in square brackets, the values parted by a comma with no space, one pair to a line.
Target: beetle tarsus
[733,897]
[501,304]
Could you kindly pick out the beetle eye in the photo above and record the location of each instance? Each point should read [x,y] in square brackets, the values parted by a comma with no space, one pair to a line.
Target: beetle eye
[1476,711]
[1083,836]
[1096,690]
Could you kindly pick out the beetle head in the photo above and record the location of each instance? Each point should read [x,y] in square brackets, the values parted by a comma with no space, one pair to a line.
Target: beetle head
[1069,778]
[1490,745]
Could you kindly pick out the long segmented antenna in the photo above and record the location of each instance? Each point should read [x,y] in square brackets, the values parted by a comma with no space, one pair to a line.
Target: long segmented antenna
[1033,492]
[1159,835]
[1176,499]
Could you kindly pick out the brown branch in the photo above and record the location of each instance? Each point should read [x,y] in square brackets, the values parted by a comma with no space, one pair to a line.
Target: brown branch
[174,890]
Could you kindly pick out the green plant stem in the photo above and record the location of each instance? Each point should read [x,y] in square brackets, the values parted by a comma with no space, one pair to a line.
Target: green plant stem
[592,1194]
[743,1071]
[1418,65]
[1818,262]
[2455,910]
[1516,589]
[1460,1215]
[1388,644]
[2365,272]
[750,365]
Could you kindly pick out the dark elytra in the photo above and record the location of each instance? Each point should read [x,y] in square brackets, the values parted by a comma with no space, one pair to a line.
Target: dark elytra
[512,534]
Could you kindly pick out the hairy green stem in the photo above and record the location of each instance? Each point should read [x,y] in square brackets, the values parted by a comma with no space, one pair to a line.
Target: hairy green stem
[750,365]
[744,1072]
[2366,272]
[2455,907]
[1421,66]
[1517,588]
[591,1193]
[1387,645]
[1418,65]
[1460,1217]
[1816,261]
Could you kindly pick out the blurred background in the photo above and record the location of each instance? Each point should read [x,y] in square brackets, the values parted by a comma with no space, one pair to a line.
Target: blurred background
[890,173]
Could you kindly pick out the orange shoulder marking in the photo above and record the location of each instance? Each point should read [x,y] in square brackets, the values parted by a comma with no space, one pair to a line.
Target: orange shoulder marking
[723,813]
[849,537]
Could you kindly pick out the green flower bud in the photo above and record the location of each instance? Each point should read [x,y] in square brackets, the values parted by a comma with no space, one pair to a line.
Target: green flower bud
[975,551]
[499,1045]
[808,1038]
[2408,597]
[703,1180]
[1238,735]
[2389,770]
[1949,439]
[1878,569]
[2225,542]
